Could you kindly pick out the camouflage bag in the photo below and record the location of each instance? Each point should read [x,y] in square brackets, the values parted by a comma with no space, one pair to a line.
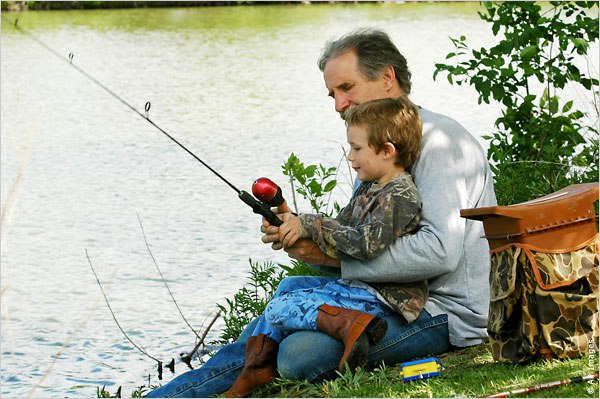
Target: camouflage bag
[543,275]
[543,304]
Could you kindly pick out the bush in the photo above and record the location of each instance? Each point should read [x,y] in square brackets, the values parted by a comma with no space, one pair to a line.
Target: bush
[542,144]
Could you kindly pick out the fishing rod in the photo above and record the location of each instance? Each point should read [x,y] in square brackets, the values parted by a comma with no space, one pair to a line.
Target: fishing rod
[265,191]
[547,385]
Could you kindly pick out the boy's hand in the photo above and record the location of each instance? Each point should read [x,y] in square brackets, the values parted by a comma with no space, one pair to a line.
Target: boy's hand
[271,233]
[289,231]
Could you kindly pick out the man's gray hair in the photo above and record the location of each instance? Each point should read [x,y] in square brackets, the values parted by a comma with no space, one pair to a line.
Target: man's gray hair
[375,52]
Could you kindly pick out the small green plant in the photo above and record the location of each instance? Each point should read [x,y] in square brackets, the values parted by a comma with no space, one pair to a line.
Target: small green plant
[542,142]
[139,392]
[102,392]
[316,182]
[250,301]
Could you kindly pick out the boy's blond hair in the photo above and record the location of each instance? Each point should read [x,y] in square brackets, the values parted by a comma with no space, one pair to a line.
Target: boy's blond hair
[390,120]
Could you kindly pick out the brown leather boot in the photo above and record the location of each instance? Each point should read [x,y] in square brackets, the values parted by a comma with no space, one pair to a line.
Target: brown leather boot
[356,329]
[260,367]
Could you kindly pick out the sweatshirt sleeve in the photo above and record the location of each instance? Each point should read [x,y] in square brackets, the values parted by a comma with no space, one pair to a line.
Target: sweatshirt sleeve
[436,247]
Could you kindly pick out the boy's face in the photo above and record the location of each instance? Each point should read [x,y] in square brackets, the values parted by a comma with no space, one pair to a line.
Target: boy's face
[368,164]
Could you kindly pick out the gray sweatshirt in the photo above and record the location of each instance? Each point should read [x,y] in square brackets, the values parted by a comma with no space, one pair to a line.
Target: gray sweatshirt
[452,173]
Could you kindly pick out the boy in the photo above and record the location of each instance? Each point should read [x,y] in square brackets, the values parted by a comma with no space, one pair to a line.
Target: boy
[384,136]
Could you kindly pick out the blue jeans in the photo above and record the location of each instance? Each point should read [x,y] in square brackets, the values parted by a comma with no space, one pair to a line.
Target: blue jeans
[311,355]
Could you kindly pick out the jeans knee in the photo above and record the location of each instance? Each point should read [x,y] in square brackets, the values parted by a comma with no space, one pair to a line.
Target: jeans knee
[308,355]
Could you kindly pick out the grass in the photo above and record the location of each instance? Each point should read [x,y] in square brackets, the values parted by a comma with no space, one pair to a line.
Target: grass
[467,373]
[470,372]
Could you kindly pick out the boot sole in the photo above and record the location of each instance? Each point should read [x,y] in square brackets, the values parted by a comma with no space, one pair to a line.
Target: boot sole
[372,335]
[376,330]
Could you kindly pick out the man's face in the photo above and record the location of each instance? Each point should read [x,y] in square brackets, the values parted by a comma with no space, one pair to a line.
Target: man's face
[347,86]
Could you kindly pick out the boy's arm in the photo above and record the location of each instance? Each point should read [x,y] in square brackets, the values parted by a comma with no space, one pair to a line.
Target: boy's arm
[393,214]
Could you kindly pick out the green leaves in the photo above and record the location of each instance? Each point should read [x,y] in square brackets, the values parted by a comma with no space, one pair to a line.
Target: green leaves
[542,143]
[250,301]
[529,52]
[315,183]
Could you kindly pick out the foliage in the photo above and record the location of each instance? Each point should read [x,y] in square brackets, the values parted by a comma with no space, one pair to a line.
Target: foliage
[139,392]
[80,5]
[250,301]
[316,182]
[542,143]
[102,392]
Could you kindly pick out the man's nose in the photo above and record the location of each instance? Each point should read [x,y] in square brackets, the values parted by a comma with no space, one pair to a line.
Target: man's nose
[341,102]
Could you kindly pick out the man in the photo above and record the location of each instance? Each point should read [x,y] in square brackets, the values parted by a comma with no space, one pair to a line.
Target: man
[451,173]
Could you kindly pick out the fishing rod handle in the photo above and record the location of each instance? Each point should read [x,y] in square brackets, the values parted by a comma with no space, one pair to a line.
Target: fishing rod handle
[260,208]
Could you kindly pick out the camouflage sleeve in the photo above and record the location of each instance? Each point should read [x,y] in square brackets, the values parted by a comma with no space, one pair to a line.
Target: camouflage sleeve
[376,220]
[311,224]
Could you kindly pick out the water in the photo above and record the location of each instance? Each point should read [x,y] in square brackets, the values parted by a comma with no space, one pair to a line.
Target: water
[240,88]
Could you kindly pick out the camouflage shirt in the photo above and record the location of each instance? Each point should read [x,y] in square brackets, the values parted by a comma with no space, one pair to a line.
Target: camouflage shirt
[374,218]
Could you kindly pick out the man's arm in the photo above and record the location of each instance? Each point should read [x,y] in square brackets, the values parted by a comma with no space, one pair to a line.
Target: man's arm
[304,249]
[437,246]
[307,251]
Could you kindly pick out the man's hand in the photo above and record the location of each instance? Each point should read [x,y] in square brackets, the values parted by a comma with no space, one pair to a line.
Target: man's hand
[307,251]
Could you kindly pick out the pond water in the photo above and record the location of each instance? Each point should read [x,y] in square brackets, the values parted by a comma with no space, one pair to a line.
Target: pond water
[240,88]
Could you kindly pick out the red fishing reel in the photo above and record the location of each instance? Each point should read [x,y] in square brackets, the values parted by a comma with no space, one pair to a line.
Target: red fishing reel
[267,192]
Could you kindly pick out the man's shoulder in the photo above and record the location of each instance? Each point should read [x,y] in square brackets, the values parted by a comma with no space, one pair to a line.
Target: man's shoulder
[440,123]
[442,132]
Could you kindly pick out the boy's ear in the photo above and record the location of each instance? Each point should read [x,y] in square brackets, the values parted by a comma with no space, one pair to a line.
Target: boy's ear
[389,150]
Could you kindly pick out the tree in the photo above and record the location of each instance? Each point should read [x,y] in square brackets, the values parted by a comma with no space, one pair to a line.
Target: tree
[542,143]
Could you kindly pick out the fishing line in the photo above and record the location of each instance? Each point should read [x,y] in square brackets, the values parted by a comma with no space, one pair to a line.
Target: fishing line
[163,278]
[171,365]
[257,206]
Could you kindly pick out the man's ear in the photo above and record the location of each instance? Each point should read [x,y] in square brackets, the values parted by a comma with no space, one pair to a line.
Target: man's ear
[389,150]
[389,77]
